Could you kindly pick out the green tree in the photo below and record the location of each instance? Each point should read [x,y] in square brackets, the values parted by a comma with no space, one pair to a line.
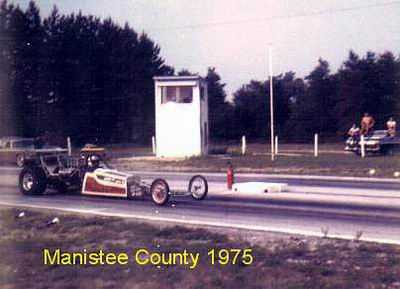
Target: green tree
[312,111]
[252,105]
[220,112]
[76,75]
[185,72]
[367,84]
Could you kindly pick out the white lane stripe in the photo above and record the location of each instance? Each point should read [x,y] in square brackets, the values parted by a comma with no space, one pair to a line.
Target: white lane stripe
[275,176]
[207,223]
[355,192]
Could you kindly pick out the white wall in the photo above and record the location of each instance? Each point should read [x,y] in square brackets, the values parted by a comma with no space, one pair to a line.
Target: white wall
[178,124]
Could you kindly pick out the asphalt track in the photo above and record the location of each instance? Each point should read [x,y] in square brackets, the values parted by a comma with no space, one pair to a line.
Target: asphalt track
[342,208]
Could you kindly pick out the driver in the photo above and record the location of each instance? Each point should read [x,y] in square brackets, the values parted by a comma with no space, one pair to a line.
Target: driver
[93,163]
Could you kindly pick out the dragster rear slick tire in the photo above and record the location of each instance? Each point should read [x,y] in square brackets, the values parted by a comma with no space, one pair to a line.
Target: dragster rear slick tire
[159,191]
[32,181]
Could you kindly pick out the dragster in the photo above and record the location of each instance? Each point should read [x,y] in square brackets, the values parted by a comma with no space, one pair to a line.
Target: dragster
[91,175]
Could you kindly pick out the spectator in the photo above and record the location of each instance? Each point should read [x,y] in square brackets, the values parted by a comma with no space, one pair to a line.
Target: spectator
[367,124]
[391,127]
[354,131]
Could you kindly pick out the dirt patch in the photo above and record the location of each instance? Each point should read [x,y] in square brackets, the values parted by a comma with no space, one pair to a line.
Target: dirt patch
[280,260]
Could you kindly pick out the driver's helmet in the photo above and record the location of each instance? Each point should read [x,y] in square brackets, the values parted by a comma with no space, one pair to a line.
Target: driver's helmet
[93,161]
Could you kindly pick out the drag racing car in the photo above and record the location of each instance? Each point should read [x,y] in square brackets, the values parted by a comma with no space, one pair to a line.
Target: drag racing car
[378,142]
[91,175]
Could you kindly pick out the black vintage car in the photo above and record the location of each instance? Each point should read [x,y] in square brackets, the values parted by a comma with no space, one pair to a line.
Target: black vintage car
[378,142]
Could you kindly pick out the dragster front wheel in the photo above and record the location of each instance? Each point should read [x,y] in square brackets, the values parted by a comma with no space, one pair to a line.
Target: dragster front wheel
[198,187]
[159,192]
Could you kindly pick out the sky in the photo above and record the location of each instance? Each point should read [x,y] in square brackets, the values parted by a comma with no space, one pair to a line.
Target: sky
[234,36]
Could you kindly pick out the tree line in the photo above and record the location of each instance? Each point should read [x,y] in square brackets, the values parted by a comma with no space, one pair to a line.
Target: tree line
[92,79]
[322,102]
[76,75]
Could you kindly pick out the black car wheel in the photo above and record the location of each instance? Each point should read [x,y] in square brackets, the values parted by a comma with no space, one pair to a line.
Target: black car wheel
[32,181]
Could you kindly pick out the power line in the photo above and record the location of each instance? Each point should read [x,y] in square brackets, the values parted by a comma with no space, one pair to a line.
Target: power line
[279,17]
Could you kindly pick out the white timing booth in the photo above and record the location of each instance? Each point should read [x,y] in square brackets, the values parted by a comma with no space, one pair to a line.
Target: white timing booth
[181,116]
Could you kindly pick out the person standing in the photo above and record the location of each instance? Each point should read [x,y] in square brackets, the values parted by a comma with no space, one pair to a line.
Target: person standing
[367,124]
[354,132]
[391,127]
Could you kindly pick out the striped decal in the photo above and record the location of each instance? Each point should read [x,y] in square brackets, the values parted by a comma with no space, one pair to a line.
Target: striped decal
[93,187]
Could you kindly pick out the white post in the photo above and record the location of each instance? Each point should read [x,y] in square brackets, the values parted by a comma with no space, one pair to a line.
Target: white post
[316,145]
[276,145]
[69,146]
[153,144]
[271,102]
[243,145]
[362,144]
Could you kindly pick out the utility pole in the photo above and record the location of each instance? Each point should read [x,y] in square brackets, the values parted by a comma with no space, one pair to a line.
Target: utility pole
[271,102]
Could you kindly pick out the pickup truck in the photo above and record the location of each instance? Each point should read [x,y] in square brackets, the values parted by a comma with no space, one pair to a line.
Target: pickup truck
[17,149]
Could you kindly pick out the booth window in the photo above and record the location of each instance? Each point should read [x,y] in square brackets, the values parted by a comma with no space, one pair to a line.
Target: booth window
[179,94]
